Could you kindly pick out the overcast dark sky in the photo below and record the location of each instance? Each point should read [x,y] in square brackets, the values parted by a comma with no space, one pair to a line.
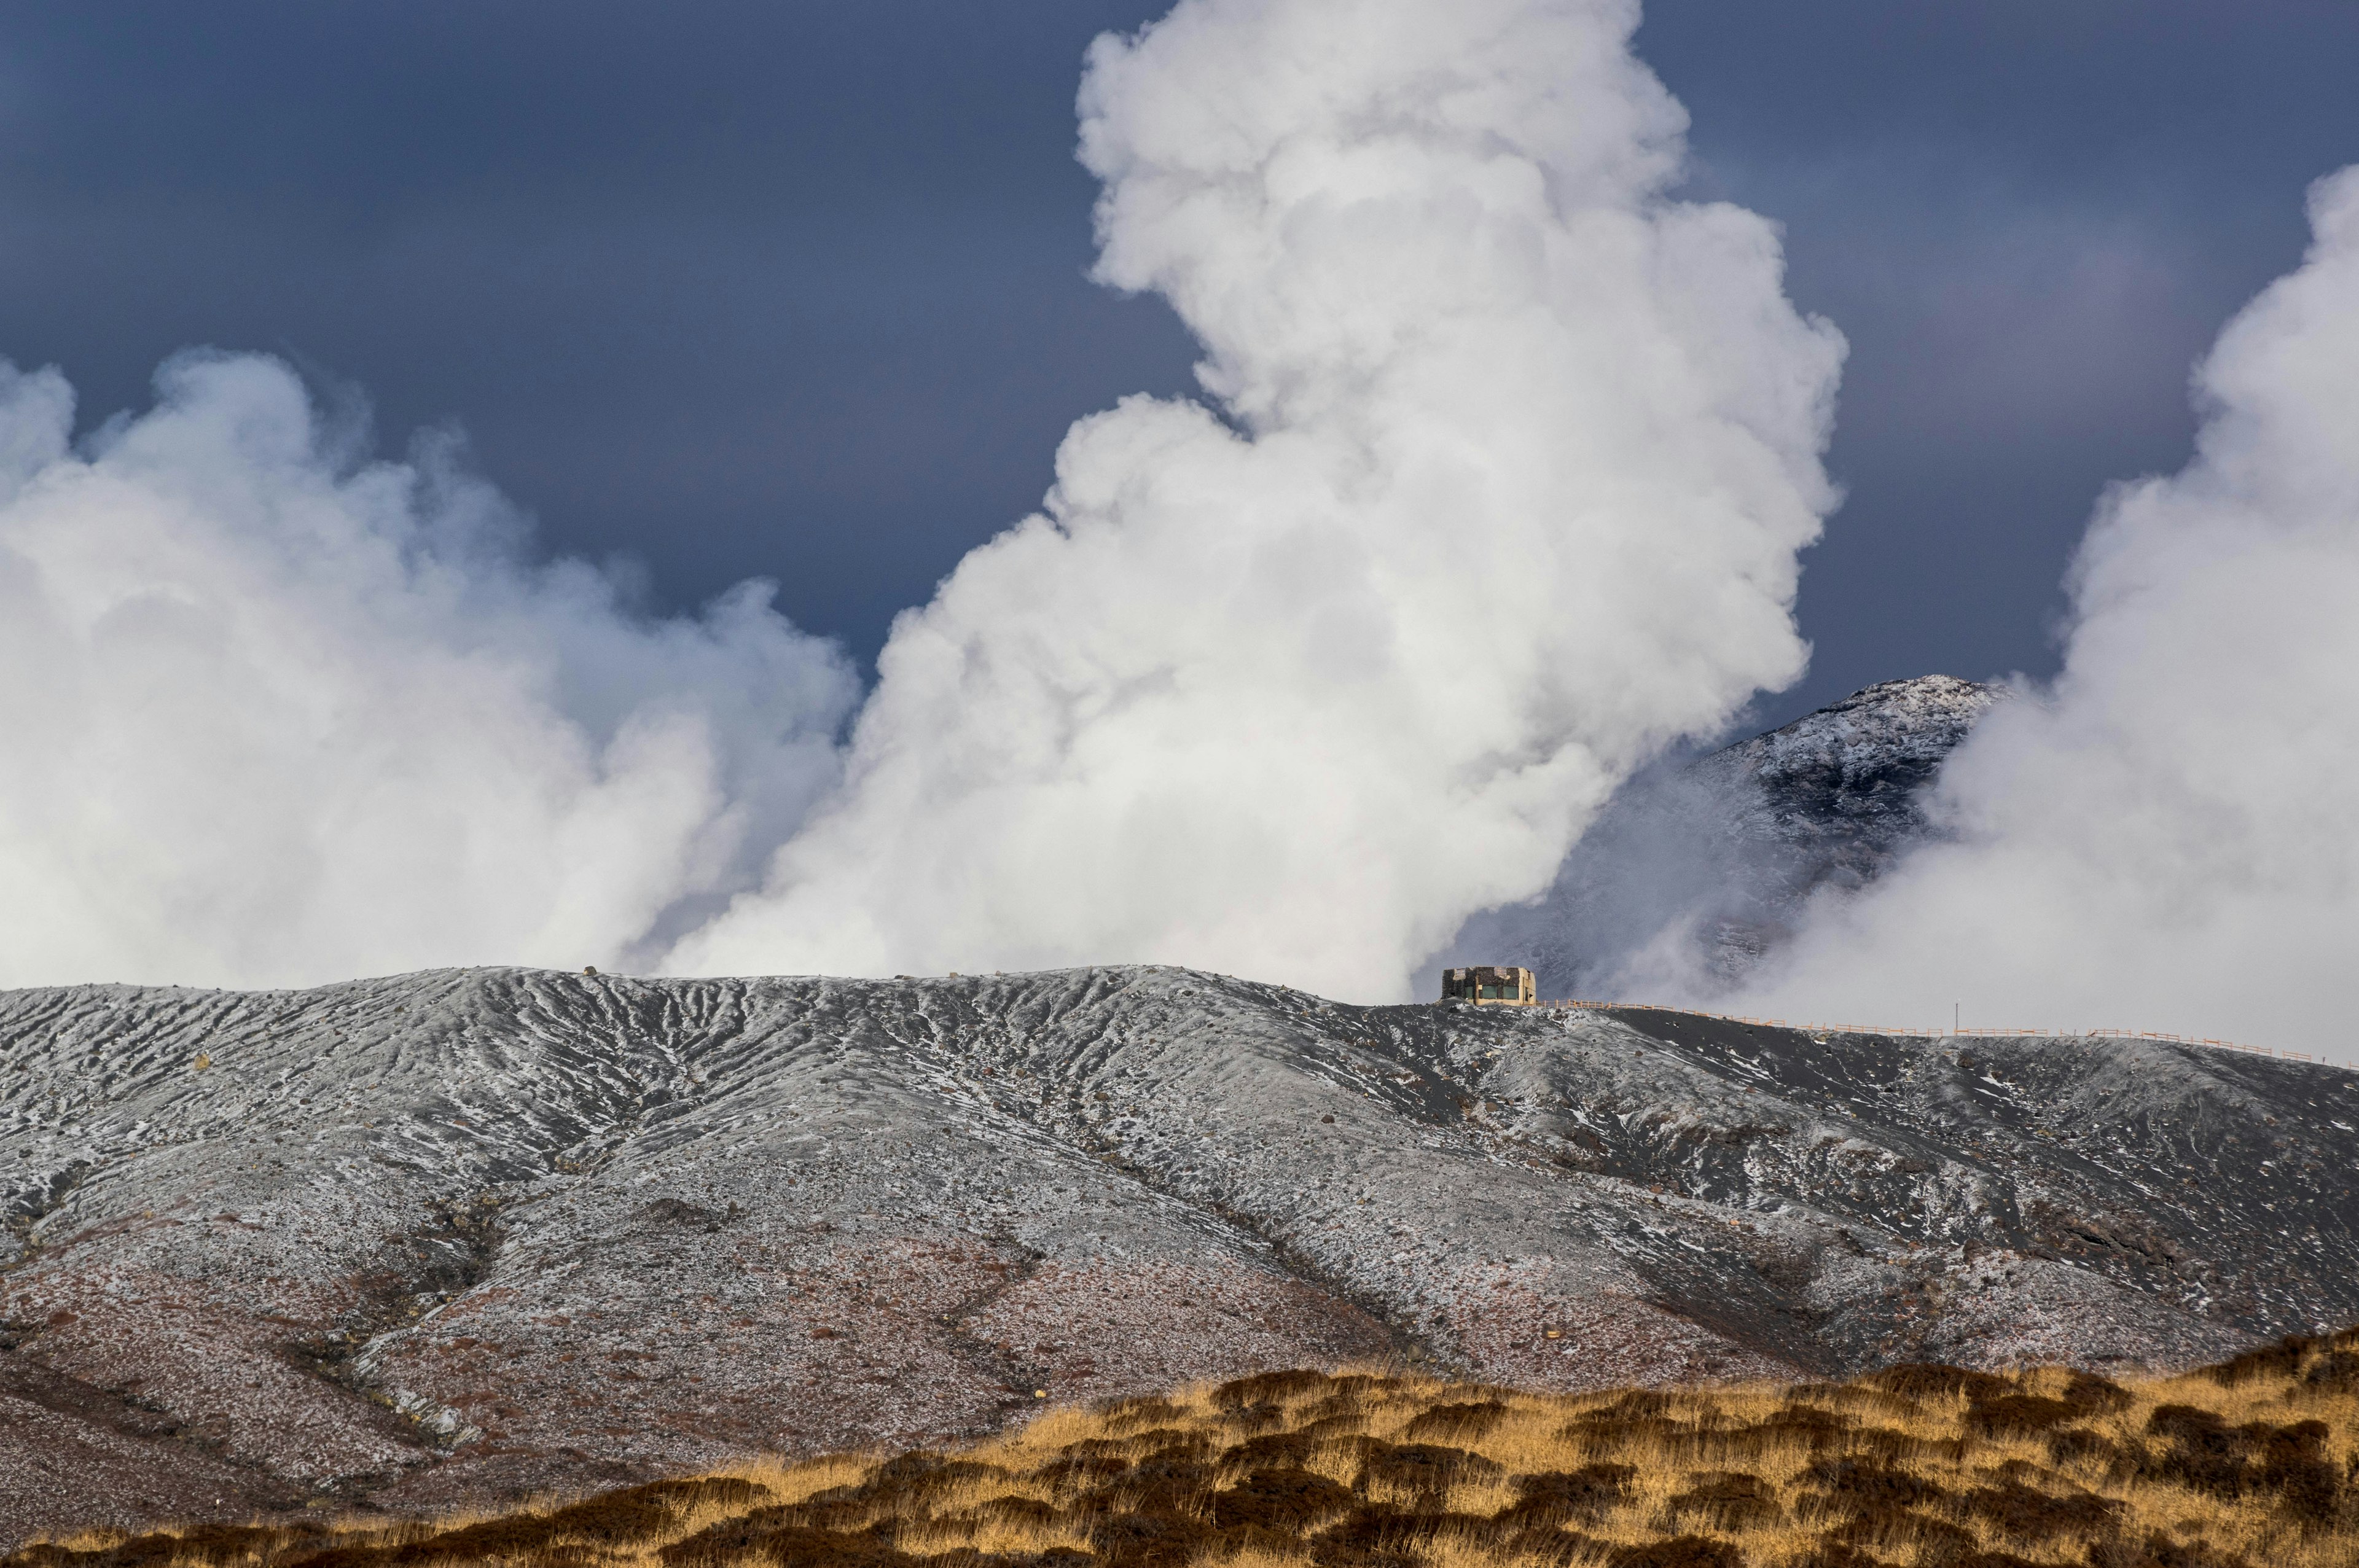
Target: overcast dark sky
[796,291]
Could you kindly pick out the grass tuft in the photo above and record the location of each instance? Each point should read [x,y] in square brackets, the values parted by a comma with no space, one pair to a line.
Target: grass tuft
[2251,1464]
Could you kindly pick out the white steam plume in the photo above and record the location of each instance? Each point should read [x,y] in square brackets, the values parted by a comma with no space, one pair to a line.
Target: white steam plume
[1513,459]
[271,716]
[2169,839]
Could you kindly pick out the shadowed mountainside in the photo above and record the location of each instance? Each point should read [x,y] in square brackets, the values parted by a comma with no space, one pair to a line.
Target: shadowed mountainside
[429,1241]
[1693,873]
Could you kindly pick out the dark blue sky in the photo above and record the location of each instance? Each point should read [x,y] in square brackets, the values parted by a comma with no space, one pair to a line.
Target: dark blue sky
[796,291]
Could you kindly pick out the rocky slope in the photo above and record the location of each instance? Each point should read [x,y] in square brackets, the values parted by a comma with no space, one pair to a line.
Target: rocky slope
[450,1236]
[1841,787]
[1695,871]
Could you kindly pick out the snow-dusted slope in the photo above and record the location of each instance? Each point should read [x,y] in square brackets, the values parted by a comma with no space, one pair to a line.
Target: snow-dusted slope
[1692,873]
[1842,786]
[442,1238]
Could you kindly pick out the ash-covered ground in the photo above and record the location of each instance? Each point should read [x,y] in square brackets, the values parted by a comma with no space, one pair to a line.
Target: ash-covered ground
[445,1238]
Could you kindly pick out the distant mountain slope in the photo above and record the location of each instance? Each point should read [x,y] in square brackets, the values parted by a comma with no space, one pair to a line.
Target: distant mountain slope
[1692,873]
[451,1237]
[1841,785]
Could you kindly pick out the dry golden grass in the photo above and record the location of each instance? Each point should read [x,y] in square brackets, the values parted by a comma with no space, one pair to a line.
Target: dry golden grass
[2253,1463]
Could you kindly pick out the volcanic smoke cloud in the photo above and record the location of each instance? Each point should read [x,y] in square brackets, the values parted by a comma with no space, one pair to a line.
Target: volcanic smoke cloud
[1509,462]
[2170,837]
[273,716]
[1499,491]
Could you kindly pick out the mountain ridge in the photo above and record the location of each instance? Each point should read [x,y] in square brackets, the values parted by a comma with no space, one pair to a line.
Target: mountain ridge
[437,1239]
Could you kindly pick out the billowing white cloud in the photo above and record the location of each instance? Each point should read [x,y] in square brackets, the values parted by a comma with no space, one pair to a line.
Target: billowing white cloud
[271,715]
[2169,838]
[1508,464]
[1497,489]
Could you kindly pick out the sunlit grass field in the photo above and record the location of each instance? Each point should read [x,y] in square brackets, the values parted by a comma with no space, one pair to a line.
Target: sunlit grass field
[2255,1462]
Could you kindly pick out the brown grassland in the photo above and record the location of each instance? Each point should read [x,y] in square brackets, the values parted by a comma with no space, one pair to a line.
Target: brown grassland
[2253,1464]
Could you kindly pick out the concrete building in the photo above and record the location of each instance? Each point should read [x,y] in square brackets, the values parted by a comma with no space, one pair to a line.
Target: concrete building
[1489,983]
